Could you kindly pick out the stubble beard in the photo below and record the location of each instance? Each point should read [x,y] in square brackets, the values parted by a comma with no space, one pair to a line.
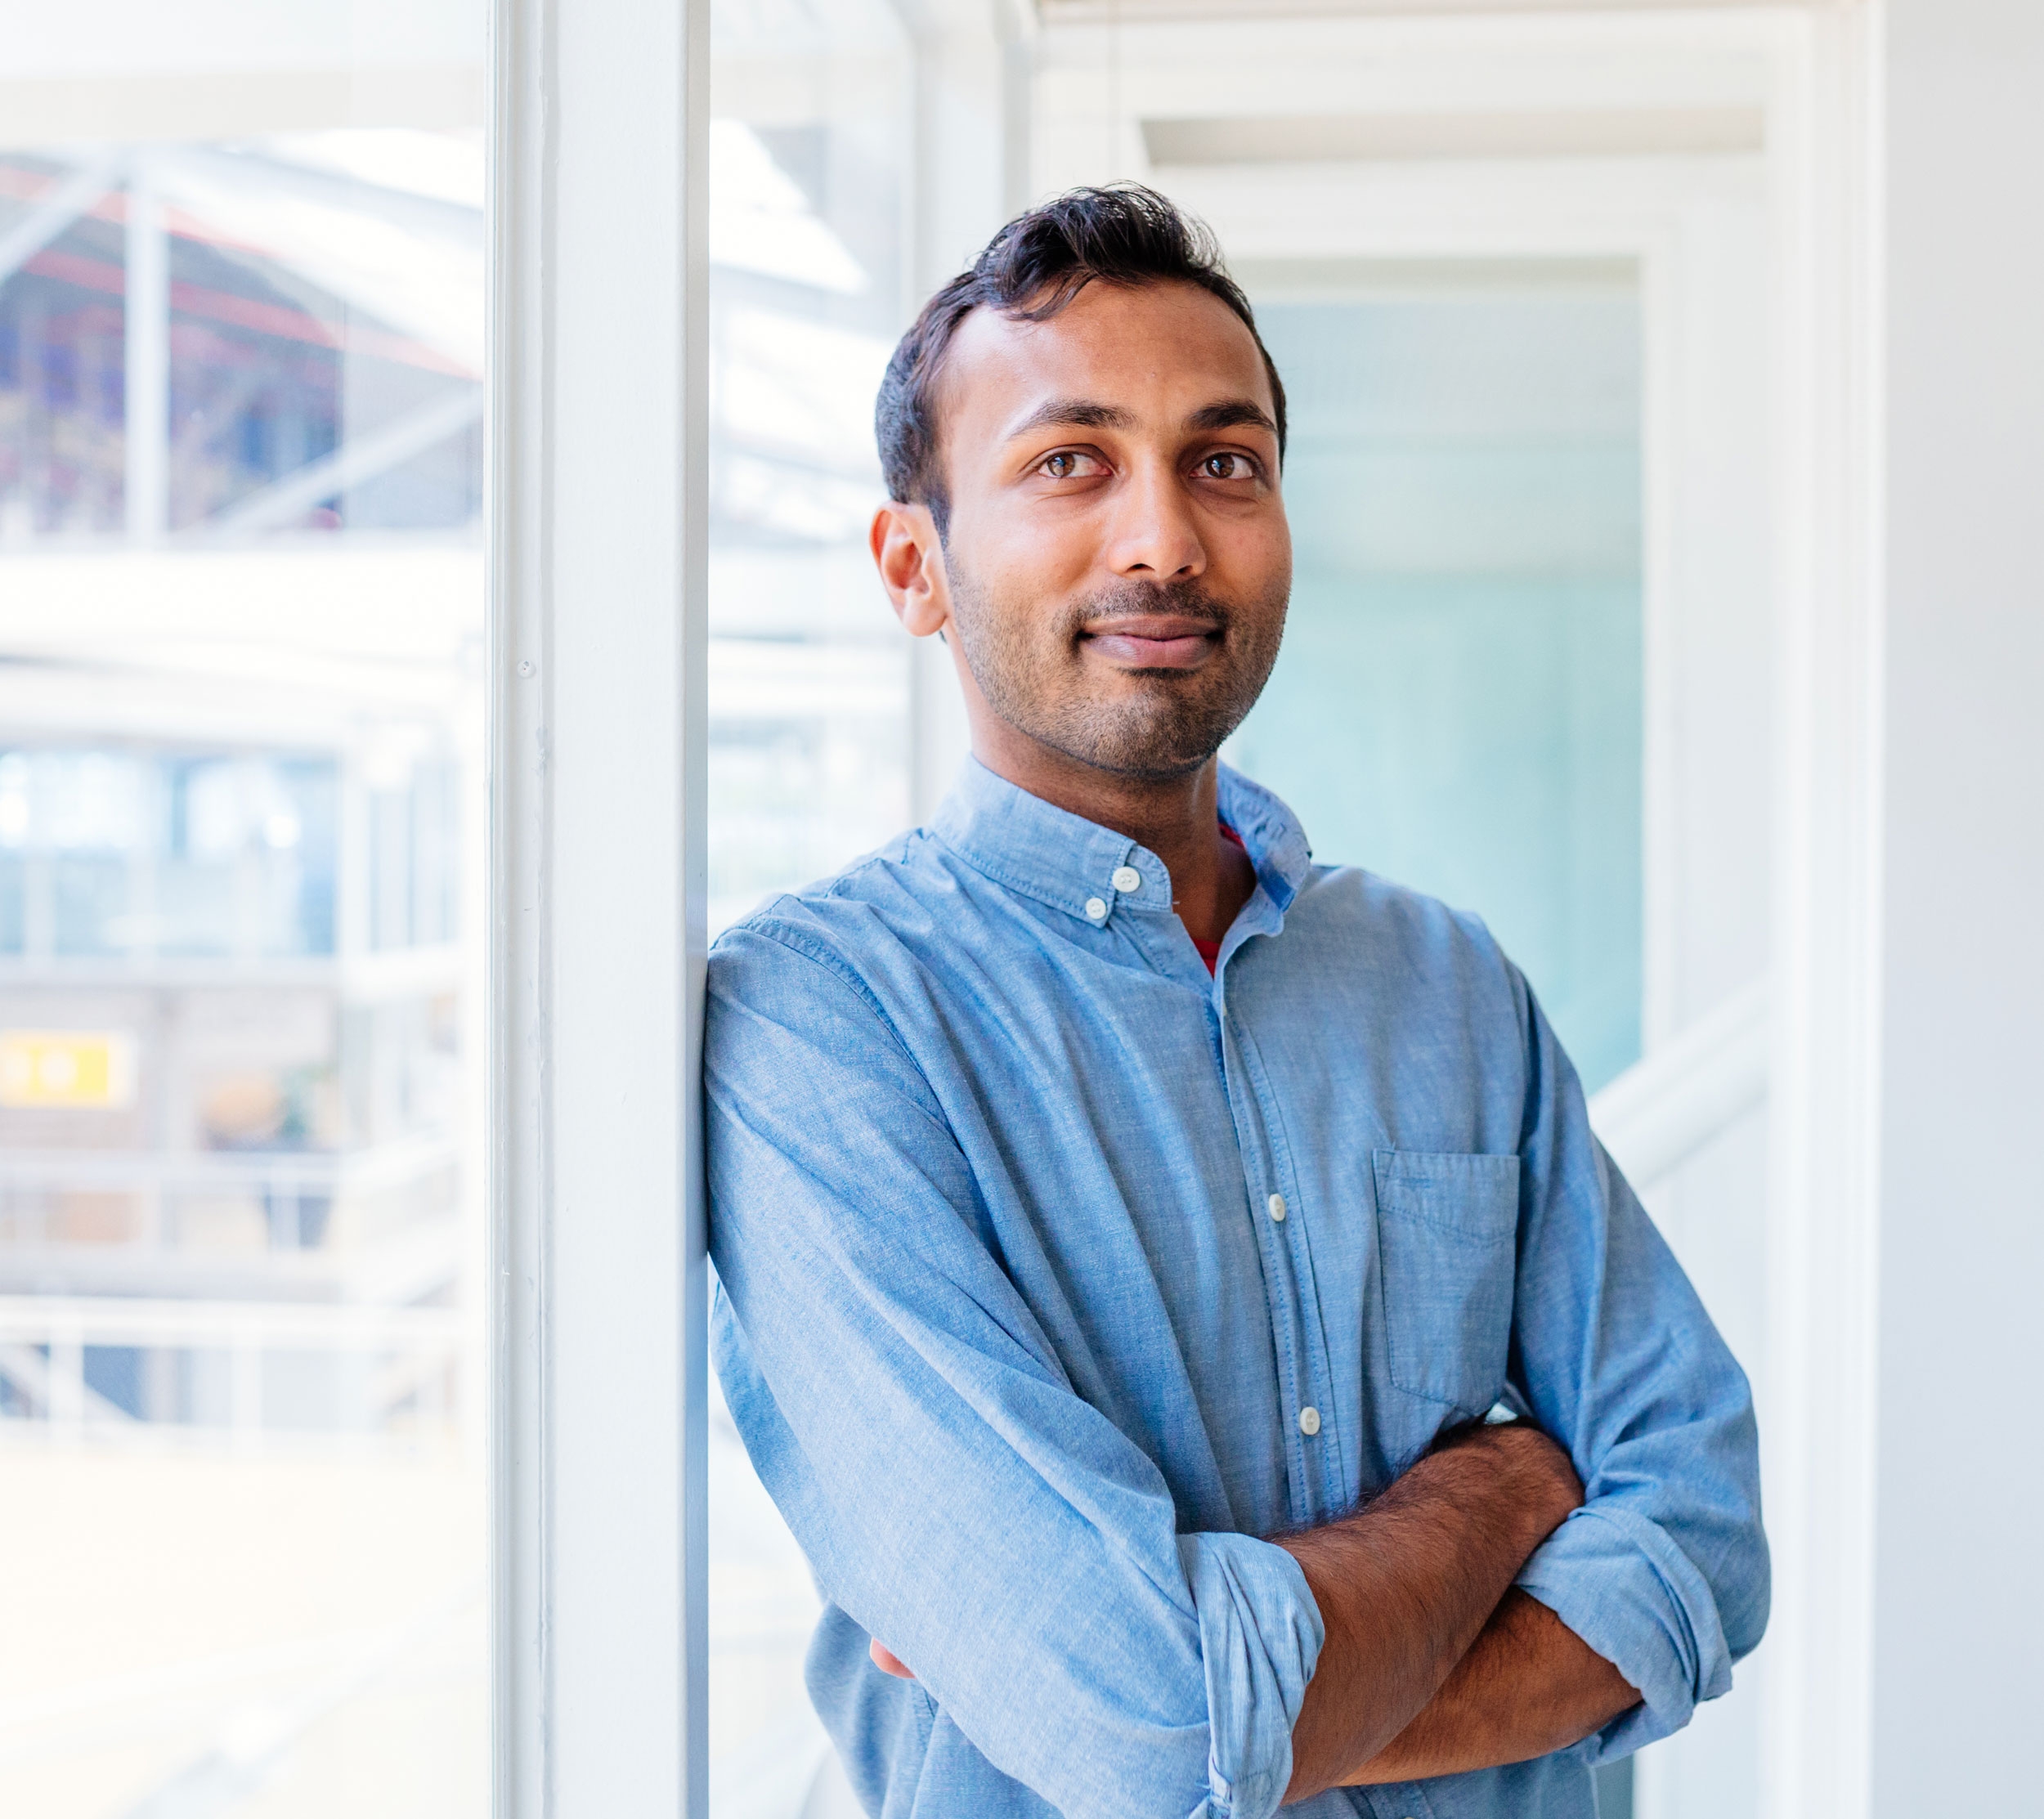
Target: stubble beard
[1169,723]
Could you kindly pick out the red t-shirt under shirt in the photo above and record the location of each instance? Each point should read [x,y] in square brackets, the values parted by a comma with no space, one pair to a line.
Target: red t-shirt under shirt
[1210,950]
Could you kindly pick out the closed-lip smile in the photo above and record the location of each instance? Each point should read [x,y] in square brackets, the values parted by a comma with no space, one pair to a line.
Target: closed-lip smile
[1152,640]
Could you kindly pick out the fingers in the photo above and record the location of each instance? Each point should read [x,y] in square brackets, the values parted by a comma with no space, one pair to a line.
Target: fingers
[888,1662]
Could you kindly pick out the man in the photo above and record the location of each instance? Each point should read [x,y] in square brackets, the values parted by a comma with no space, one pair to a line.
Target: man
[1124,1225]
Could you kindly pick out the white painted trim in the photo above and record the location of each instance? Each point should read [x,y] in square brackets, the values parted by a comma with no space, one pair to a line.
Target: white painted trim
[1661,1110]
[597,432]
[1819,1447]
[1066,14]
[1659,253]
[1385,136]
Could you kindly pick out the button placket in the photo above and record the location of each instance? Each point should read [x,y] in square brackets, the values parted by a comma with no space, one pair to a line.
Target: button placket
[1323,1475]
[1314,1483]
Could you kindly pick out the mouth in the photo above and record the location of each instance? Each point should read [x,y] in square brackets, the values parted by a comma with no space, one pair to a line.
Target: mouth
[1153,641]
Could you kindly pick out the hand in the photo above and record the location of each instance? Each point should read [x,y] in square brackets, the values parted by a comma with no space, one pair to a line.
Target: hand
[1529,1685]
[889,1662]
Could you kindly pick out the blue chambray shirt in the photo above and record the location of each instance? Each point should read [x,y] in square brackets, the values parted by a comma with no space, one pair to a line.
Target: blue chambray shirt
[1053,1273]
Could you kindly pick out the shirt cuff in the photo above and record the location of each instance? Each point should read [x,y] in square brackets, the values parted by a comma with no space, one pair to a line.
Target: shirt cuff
[1619,1580]
[1260,1637]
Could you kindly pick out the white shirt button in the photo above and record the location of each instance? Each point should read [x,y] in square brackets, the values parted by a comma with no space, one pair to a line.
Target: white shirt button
[1127,878]
[1309,1422]
[1277,1207]
[1097,909]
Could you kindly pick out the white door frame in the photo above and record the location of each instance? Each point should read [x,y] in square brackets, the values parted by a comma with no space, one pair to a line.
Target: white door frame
[1819,1456]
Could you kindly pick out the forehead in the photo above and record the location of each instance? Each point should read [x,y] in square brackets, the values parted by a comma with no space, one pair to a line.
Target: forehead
[1162,349]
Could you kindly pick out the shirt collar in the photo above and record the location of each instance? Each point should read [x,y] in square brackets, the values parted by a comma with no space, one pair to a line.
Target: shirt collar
[1072,864]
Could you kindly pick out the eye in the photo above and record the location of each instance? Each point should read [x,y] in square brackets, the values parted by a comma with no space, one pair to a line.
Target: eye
[1228,465]
[1067,464]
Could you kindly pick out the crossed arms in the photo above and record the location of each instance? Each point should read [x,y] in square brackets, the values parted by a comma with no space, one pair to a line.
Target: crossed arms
[1433,1664]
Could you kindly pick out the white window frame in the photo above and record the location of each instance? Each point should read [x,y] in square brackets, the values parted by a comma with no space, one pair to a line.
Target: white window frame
[597,440]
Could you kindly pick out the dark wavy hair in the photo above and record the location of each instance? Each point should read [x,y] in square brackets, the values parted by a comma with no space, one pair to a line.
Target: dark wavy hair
[1124,234]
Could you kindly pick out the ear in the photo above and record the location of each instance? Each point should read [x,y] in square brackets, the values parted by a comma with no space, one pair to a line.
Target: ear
[909,555]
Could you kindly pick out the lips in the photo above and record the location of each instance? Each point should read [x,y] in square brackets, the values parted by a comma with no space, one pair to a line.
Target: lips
[1153,641]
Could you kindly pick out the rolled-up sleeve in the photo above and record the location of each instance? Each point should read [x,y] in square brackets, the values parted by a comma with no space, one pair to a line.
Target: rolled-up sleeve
[1663,1570]
[1259,1635]
[956,1497]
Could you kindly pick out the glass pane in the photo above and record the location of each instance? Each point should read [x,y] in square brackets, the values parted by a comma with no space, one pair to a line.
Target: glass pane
[809,672]
[1458,703]
[241,810]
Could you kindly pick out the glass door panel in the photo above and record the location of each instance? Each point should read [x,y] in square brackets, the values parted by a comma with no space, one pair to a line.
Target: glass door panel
[1459,704]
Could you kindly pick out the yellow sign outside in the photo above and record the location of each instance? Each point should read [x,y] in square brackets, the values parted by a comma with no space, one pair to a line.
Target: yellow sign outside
[85,1069]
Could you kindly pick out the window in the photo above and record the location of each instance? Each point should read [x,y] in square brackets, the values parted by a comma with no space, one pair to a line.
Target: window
[241,810]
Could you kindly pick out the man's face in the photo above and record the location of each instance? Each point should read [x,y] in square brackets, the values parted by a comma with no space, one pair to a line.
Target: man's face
[1117,561]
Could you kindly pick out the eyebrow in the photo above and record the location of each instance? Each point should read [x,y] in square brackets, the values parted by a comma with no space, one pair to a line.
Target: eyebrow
[1073,414]
[1085,414]
[1232,414]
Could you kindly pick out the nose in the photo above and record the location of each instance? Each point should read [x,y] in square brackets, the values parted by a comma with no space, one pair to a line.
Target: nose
[1154,536]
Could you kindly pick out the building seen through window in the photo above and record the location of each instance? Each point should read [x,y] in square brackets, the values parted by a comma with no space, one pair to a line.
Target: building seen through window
[240,815]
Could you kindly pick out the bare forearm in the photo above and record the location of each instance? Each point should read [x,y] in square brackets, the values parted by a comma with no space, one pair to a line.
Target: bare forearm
[1528,1685]
[1405,1588]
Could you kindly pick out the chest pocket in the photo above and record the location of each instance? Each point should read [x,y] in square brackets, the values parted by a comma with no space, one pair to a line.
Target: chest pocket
[1446,1228]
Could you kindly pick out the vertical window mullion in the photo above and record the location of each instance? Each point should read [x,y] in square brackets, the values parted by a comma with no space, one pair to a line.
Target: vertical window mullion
[596,442]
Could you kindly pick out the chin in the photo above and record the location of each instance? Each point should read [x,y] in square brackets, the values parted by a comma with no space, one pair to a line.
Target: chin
[1150,754]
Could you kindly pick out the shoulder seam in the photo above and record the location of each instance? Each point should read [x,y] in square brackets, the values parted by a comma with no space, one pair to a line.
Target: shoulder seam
[836,885]
[799,942]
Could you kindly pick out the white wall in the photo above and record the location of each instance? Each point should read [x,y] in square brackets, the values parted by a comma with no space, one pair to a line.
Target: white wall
[1959,1570]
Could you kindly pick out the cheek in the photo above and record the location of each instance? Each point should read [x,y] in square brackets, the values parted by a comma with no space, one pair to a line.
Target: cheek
[1251,564]
[1043,546]
[1017,600]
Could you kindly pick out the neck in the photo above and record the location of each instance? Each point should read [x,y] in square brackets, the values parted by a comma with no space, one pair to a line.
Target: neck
[1176,817]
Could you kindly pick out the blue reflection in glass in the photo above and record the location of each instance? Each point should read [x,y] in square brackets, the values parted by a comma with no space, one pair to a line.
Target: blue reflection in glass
[1459,704]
